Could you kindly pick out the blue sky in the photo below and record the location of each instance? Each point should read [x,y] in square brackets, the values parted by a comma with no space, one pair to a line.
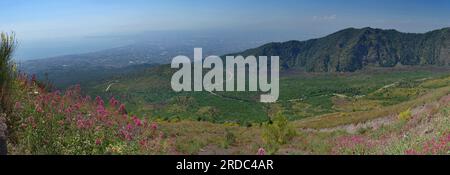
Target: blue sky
[37,20]
[56,18]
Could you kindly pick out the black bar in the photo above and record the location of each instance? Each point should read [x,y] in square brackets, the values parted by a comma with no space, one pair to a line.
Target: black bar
[280,164]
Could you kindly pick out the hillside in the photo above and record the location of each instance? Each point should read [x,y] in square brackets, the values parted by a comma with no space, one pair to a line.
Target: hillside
[303,94]
[74,124]
[353,49]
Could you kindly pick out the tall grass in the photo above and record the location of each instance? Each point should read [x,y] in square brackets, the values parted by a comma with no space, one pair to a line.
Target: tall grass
[7,72]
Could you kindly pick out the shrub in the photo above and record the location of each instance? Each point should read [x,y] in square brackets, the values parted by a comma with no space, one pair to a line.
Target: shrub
[208,113]
[277,133]
[7,72]
[230,138]
[405,115]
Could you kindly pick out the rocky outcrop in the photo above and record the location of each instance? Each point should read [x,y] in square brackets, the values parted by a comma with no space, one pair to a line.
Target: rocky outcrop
[3,134]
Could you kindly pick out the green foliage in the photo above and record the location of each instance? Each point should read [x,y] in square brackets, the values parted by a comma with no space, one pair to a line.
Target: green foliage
[208,113]
[7,72]
[277,133]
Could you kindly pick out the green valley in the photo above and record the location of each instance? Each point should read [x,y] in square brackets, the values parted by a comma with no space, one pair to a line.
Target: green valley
[303,94]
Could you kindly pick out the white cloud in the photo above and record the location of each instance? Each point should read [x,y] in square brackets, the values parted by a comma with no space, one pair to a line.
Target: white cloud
[325,18]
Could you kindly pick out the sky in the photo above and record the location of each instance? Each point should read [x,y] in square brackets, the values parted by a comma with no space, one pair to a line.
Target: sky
[53,21]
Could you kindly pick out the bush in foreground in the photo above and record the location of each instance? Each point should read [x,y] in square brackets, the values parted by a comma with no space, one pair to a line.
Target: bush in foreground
[277,133]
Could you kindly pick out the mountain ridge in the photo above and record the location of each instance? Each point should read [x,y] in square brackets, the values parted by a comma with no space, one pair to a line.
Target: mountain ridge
[352,49]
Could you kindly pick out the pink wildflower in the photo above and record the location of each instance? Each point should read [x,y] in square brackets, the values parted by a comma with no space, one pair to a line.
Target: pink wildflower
[101,111]
[154,126]
[99,101]
[18,105]
[261,151]
[122,109]
[129,127]
[39,109]
[411,152]
[80,124]
[113,102]
[126,135]
[68,110]
[98,142]
[143,143]
[137,121]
